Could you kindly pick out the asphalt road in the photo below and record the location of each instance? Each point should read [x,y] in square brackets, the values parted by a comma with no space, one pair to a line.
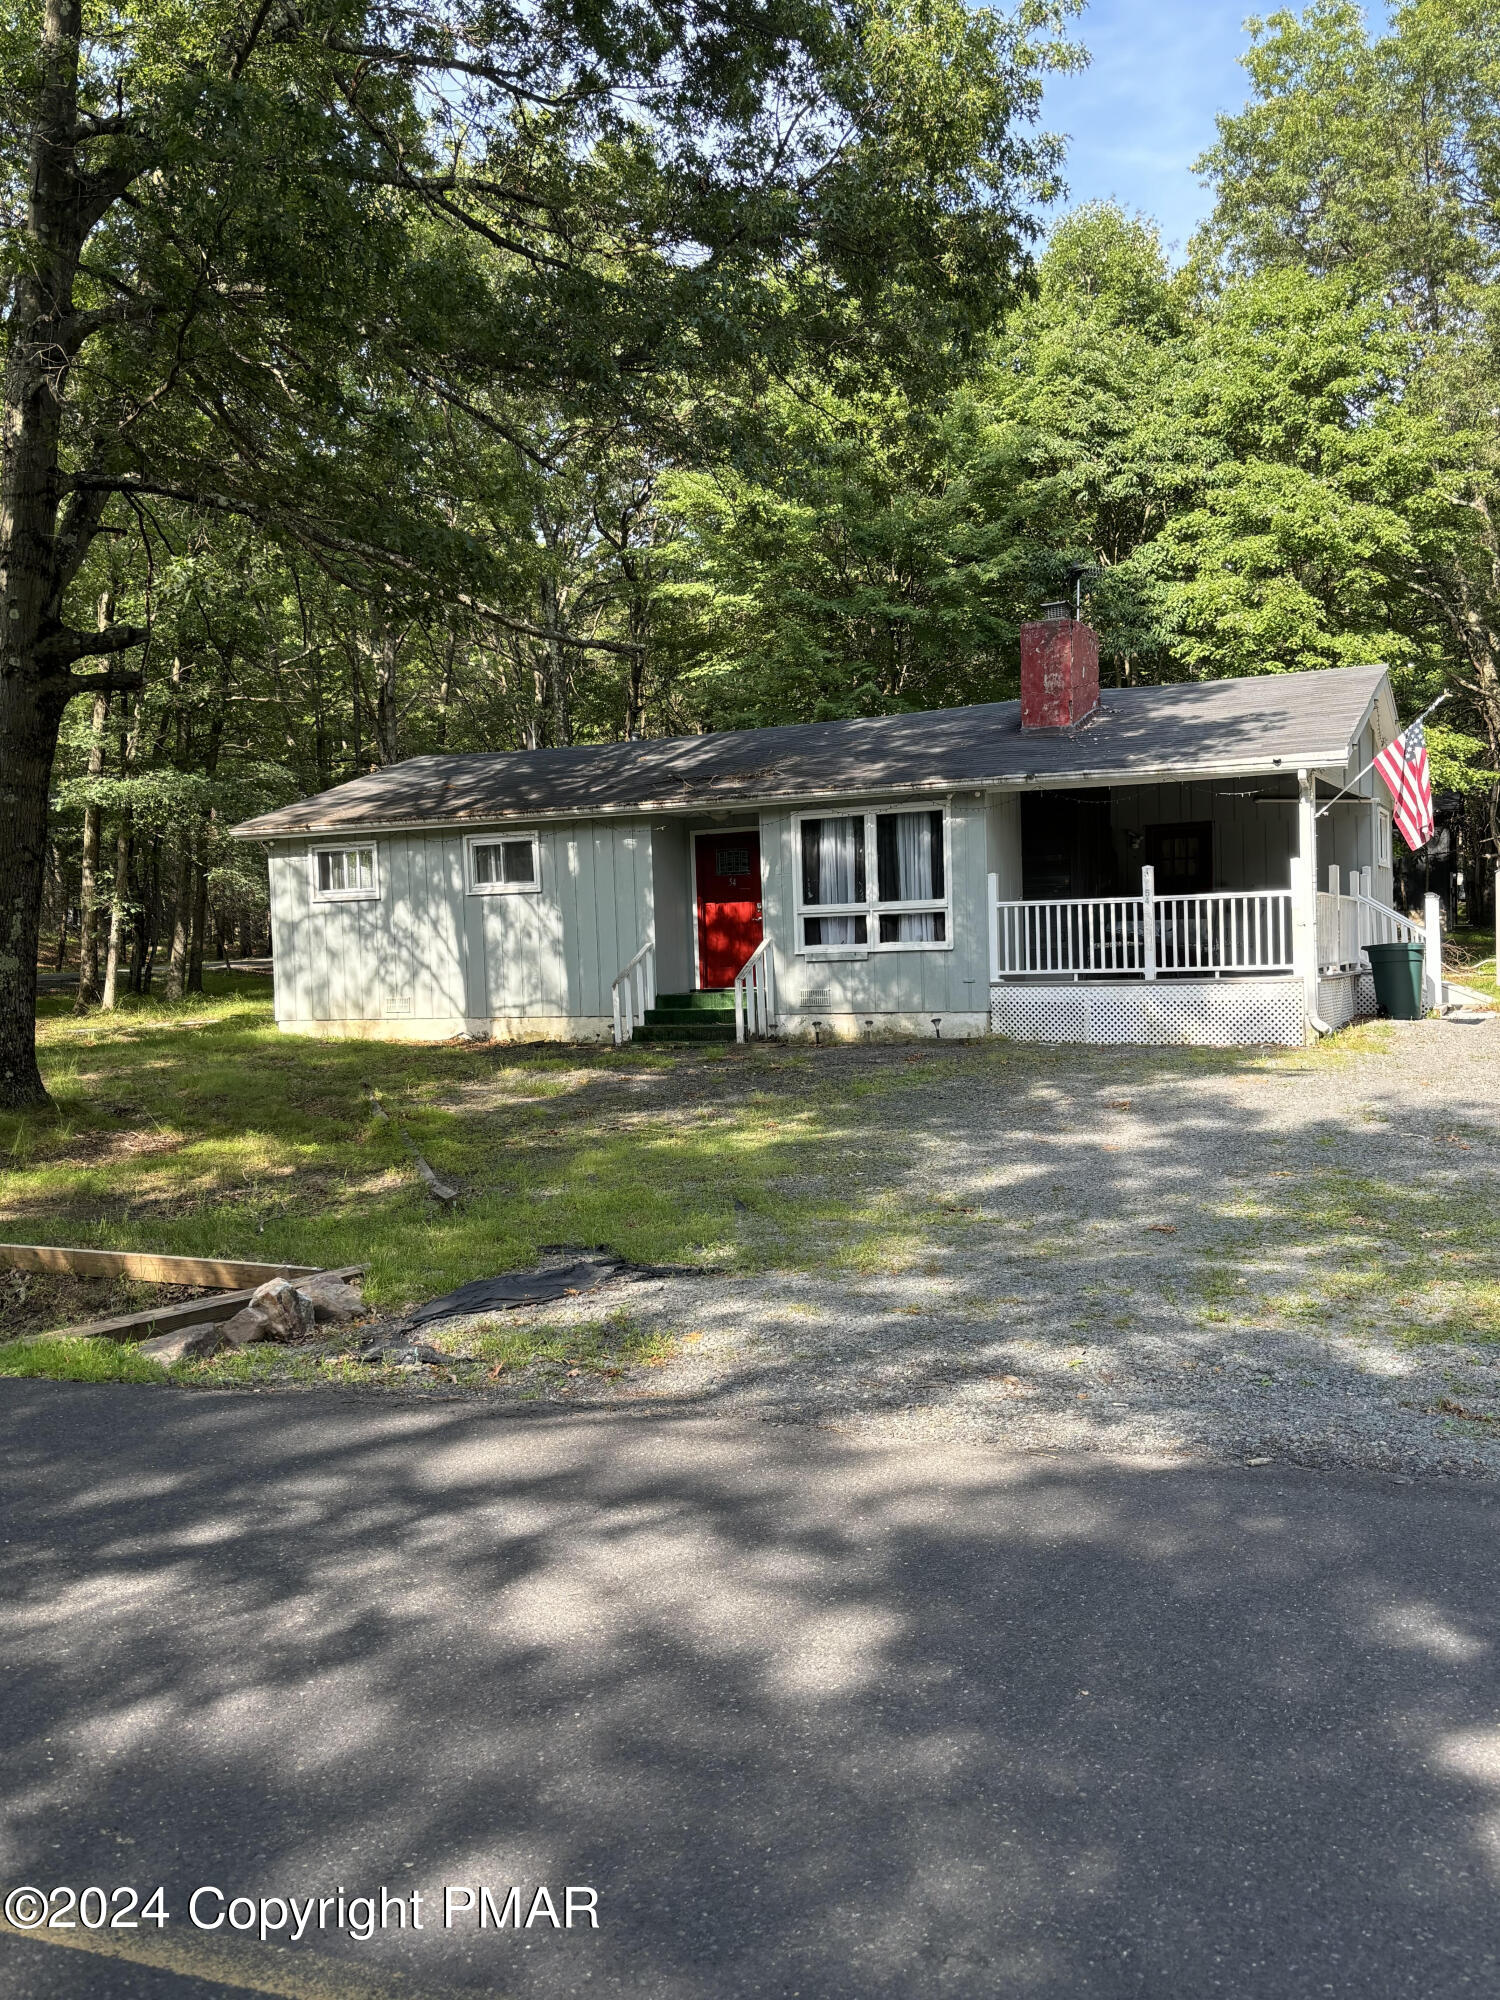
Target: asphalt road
[812,1720]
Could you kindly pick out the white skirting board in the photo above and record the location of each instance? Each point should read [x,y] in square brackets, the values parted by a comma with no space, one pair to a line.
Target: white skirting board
[1345,996]
[1192,1013]
[827,1026]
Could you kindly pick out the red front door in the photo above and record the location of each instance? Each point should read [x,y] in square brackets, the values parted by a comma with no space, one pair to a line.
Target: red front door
[727,866]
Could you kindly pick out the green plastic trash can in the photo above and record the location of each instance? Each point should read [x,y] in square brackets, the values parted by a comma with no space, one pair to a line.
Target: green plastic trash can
[1397,969]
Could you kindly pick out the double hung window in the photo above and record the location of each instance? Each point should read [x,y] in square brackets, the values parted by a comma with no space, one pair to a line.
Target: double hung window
[503,865]
[872,880]
[344,874]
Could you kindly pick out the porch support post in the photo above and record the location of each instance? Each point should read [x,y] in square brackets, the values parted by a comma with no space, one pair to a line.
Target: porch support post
[1433,912]
[1148,921]
[1305,893]
[994,881]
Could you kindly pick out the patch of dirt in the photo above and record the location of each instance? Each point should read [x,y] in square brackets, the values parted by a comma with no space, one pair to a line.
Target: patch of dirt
[102,1149]
[619,1099]
[41,1302]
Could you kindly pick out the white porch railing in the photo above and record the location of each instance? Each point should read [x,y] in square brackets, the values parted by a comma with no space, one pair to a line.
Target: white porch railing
[1074,937]
[1139,937]
[1347,923]
[633,991]
[755,993]
[1230,930]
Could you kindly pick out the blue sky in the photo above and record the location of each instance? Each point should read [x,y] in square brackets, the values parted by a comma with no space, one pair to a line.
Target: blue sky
[1144,109]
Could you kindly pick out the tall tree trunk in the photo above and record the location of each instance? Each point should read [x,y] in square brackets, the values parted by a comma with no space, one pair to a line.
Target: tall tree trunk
[202,836]
[31,699]
[144,926]
[635,685]
[445,691]
[384,646]
[88,890]
[56,906]
[356,691]
[62,905]
[200,914]
[29,719]
[175,984]
[119,902]
[118,912]
[40,555]
[557,664]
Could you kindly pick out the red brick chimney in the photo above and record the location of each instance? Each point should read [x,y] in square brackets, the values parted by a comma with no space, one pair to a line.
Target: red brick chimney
[1059,671]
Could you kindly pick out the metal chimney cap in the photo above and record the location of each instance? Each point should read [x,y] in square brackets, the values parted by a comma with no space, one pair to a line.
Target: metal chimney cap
[1057,610]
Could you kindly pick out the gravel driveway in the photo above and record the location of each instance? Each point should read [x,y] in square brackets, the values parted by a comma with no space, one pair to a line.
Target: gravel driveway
[1284,1256]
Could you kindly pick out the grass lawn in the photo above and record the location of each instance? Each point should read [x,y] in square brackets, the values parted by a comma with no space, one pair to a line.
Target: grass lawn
[1469,959]
[198,1128]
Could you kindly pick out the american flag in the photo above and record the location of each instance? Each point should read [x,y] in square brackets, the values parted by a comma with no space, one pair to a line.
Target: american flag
[1403,765]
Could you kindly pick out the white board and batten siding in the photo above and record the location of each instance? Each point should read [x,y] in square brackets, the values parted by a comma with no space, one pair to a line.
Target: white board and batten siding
[853,992]
[427,959]
[1354,834]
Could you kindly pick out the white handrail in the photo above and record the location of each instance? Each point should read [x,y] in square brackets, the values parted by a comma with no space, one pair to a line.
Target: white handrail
[755,993]
[1348,923]
[633,991]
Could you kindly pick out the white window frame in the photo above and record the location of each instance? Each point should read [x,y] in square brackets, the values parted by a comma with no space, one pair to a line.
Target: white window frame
[370,895]
[495,838]
[872,909]
[1382,838]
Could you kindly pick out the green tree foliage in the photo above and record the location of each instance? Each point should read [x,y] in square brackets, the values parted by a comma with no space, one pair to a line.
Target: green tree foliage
[486,379]
[1375,161]
[309,267]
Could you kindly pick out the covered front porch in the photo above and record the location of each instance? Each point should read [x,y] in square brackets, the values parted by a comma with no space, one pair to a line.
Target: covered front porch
[1224,938]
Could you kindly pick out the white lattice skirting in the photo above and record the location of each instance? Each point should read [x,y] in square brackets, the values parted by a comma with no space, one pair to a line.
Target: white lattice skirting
[1198,1013]
[1345,996]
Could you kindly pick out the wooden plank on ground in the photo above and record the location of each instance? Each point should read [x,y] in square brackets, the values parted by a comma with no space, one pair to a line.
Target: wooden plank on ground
[180,1312]
[148,1264]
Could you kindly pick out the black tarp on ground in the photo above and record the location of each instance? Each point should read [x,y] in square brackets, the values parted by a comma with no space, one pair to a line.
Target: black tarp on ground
[530,1288]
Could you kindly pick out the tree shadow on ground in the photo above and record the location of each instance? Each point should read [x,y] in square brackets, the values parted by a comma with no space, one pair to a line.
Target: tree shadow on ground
[1114,1233]
[812,1719]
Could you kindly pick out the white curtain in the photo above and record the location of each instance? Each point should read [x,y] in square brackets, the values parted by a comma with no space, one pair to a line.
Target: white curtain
[915,875]
[836,877]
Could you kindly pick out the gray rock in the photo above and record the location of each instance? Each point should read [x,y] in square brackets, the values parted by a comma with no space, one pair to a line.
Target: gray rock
[206,1337]
[331,1299]
[287,1313]
[408,1354]
[248,1324]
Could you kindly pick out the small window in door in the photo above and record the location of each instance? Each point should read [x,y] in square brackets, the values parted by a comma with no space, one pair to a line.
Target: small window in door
[1183,857]
[732,864]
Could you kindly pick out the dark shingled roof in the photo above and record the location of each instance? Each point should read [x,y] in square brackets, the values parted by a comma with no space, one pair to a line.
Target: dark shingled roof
[1229,727]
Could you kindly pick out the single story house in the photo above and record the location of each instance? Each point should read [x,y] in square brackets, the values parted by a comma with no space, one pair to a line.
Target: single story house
[1201,863]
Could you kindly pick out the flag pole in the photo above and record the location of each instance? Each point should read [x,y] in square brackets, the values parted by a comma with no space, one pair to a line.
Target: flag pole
[1446,696]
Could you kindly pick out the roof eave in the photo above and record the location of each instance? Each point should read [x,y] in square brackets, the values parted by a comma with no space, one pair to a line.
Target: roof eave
[1320,759]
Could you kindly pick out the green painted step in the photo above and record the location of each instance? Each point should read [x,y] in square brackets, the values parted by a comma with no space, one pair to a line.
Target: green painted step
[683,1028]
[716,1001]
[689,1017]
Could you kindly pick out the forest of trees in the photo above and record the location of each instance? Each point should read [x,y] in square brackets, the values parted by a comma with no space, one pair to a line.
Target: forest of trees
[384,380]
